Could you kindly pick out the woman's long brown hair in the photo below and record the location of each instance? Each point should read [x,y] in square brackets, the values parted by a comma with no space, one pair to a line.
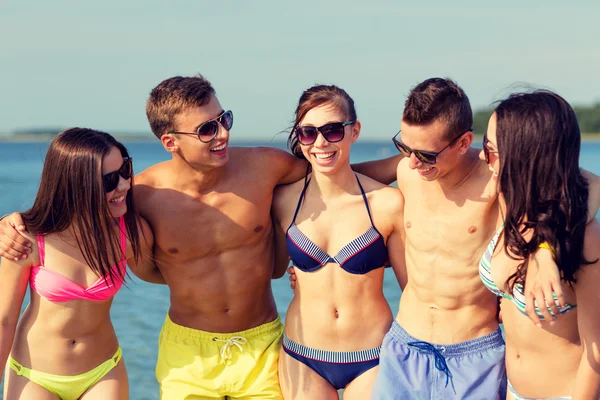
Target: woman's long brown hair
[72,195]
[546,194]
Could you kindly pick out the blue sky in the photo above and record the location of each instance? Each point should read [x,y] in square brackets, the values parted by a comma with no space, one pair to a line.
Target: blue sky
[79,63]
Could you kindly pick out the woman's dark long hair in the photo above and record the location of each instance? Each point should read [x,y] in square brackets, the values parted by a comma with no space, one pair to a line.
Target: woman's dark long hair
[72,195]
[314,97]
[546,195]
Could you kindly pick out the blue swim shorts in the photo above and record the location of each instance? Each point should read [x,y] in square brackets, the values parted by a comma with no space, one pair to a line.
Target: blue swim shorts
[411,369]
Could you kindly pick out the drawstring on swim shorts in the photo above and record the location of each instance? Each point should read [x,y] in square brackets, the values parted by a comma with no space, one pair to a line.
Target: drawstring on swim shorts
[440,361]
[237,341]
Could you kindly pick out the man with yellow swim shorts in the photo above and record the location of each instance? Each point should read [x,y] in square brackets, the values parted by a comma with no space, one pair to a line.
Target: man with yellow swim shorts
[209,209]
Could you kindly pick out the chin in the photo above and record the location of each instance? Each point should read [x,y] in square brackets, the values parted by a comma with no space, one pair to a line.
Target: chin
[118,212]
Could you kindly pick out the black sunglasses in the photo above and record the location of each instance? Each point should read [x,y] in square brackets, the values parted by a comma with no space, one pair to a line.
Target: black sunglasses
[111,180]
[333,132]
[207,131]
[426,157]
[486,149]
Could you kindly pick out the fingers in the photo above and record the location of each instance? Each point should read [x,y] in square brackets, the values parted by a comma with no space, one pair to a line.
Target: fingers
[530,309]
[542,303]
[14,249]
[550,300]
[292,277]
[558,291]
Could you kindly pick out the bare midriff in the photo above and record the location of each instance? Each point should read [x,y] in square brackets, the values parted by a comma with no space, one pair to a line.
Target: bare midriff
[556,350]
[64,338]
[337,311]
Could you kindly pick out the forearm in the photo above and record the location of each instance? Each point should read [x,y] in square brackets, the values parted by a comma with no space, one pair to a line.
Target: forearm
[7,334]
[280,254]
[146,269]
[383,171]
[587,381]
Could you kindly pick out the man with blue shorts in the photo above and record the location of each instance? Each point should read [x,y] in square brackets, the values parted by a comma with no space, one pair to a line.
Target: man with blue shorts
[445,342]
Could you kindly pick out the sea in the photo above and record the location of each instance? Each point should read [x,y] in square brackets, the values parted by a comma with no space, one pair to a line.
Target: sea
[139,308]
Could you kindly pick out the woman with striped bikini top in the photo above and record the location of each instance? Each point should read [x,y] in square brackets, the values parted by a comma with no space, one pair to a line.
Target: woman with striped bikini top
[339,227]
[517,296]
[532,147]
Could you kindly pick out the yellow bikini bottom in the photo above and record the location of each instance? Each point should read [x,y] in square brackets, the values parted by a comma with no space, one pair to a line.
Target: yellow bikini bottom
[67,387]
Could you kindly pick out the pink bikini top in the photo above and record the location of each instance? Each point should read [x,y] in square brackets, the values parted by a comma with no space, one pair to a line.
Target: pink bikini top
[56,288]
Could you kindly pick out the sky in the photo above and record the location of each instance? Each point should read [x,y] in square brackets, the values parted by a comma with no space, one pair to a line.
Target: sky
[70,63]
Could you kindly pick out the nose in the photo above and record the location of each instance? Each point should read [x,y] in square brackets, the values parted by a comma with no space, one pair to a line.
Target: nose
[222,133]
[321,141]
[124,184]
[482,155]
[414,162]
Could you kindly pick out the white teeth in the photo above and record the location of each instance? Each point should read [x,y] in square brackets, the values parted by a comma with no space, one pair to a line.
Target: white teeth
[426,170]
[118,200]
[221,147]
[324,156]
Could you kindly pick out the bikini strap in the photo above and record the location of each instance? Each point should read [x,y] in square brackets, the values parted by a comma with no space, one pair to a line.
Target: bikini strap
[300,200]
[306,182]
[362,191]
[41,249]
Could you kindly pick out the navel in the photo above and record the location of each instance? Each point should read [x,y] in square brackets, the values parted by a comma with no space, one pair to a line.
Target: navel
[173,250]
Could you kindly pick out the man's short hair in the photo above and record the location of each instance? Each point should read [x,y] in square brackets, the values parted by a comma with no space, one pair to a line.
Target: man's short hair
[172,97]
[439,99]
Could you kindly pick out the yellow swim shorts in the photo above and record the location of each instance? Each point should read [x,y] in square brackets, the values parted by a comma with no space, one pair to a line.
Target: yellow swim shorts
[195,364]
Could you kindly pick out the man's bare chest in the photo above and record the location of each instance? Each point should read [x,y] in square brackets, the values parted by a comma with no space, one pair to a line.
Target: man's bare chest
[195,228]
[444,226]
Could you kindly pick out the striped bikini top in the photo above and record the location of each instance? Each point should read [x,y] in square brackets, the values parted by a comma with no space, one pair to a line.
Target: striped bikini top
[518,296]
[362,255]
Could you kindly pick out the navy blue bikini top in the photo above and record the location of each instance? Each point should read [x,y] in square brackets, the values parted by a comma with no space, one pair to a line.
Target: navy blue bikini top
[363,254]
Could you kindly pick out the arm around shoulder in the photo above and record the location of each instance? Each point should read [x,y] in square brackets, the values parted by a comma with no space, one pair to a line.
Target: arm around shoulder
[285,167]
[13,243]
[145,266]
[396,239]
[383,170]
[587,383]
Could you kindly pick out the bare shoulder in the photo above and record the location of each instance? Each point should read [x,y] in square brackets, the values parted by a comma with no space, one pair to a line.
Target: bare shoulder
[286,195]
[150,177]
[381,196]
[405,176]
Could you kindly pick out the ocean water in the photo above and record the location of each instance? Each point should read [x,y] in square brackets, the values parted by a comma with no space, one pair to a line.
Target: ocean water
[139,308]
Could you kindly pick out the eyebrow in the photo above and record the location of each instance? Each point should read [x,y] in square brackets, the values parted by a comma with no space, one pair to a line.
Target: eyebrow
[208,120]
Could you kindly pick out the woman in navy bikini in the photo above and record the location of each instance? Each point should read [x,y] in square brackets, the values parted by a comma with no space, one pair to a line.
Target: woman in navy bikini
[341,227]
[532,145]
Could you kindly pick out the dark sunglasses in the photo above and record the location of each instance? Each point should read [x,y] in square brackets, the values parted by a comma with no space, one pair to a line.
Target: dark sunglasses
[209,129]
[426,157]
[486,149]
[111,180]
[333,132]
